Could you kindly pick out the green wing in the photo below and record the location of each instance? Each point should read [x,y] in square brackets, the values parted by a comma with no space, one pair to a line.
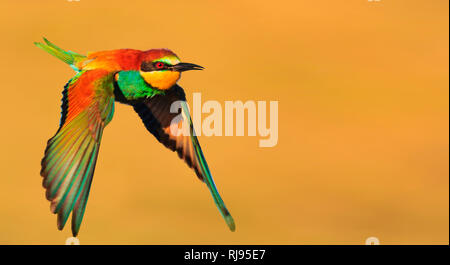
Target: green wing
[157,117]
[71,155]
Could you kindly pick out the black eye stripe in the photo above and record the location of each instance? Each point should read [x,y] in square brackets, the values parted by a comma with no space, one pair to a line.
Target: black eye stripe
[154,66]
[147,67]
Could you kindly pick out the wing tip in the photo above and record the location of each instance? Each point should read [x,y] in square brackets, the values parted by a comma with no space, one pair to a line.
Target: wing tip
[75,230]
[230,223]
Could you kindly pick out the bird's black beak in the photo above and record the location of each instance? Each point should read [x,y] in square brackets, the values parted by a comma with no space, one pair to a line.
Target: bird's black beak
[181,67]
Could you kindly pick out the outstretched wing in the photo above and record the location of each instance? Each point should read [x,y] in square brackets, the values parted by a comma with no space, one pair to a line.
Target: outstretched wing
[157,117]
[70,156]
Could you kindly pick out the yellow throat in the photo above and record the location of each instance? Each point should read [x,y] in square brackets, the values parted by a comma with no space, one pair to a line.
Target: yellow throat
[161,79]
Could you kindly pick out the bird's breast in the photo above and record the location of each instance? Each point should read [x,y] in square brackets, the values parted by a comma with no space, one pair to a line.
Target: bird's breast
[132,86]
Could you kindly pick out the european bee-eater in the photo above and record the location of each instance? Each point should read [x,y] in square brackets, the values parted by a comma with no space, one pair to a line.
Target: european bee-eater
[145,80]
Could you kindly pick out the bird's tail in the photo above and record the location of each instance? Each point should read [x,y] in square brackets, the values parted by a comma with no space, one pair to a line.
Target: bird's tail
[69,57]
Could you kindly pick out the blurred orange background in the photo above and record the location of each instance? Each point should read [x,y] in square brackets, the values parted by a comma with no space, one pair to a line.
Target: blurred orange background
[363,150]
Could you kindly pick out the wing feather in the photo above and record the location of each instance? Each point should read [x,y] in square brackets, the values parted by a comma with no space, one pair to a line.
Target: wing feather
[157,118]
[71,154]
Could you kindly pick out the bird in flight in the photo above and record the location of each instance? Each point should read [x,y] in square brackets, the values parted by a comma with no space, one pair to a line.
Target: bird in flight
[145,80]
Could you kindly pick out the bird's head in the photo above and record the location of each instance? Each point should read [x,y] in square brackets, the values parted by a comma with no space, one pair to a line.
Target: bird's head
[161,68]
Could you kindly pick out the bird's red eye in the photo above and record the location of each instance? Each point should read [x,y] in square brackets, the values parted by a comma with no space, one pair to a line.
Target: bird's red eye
[159,65]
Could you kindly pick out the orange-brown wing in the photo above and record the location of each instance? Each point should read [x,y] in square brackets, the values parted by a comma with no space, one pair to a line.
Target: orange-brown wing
[71,155]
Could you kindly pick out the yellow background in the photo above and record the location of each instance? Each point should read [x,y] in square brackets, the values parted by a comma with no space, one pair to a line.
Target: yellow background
[363,122]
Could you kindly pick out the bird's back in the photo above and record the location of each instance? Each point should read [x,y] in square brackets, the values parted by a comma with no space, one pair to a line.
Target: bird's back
[112,60]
